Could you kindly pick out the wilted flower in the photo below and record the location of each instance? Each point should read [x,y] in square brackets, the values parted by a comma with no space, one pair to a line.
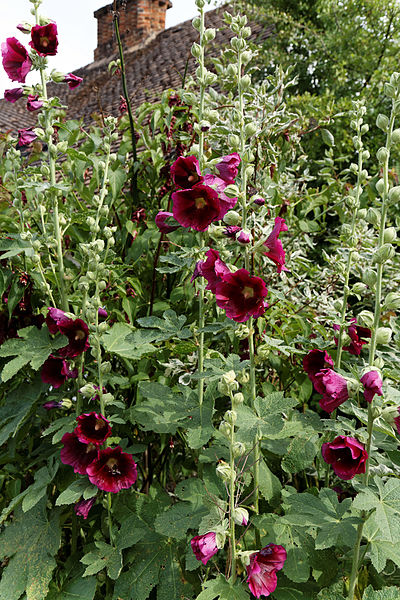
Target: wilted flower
[83,507]
[52,404]
[16,61]
[44,39]
[113,470]
[372,384]
[162,224]
[313,363]
[24,27]
[186,172]
[241,295]
[33,103]
[204,546]
[197,207]
[26,136]
[333,388]
[231,231]
[55,371]
[73,80]
[92,428]
[212,269]
[346,455]
[356,334]
[228,167]
[77,454]
[276,252]
[261,572]
[14,94]
[259,201]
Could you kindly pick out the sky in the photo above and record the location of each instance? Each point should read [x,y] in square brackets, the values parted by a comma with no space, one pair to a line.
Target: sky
[77,30]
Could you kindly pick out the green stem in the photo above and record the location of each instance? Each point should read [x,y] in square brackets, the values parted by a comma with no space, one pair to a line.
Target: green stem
[109,514]
[232,504]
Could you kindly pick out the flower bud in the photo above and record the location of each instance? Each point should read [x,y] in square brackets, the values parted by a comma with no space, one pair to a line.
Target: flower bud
[384,253]
[383,335]
[389,235]
[230,417]
[362,213]
[209,35]
[365,128]
[396,136]
[359,288]
[373,217]
[243,377]
[232,218]
[242,331]
[234,141]
[369,277]
[389,90]
[379,363]
[225,429]
[88,390]
[250,130]
[263,351]
[394,195]
[231,190]
[196,23]
[240,516]
[238,449]
[196,50]
[365,318]
[225,471]
[382,155]
[108,398]
[382,122]
[237,399]
[380,186]
[106,367]
[392,301]
[376,412]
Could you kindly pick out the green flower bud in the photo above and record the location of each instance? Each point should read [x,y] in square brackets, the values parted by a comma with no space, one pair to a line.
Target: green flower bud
[225,429]
[88,390]
[263,351]
[245,82]
[394,194]
[250,129]
[209,35]
[382,155]
[365,128]
[396,136]
[383,335]
[382,122]
[231,190]
[392,301]
[225,471]
[379,363]
[234,141]
[238,449]
[106,367]
[240,516]
[389,90]
[196,23]
[237,399]
[384,253]
[369,277]
[196,50]
[376,412]
[243,377]
[359,288]
[108,398]
[390,234]
[380,186]
[362,213]
[232,218]
[230,417]
[373,217]
[365,318]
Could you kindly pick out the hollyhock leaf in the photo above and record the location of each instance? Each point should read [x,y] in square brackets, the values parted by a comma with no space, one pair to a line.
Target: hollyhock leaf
[29,543]
[223,589]
[18,406]
[170,326]
[32,495]
[297,565]
[379,551]
[74,491]
[125,342]
[387,506]
[387,593]
[300,453]
[133,529]
[269,484]
[117,178]
[171,585]
[200,427]
[78,588]
[177,519]
[104,557]
[59,427]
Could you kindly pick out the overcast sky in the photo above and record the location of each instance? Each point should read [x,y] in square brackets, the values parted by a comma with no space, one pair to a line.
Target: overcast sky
[77,30]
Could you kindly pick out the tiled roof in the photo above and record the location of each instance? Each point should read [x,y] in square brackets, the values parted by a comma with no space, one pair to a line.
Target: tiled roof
[151,68]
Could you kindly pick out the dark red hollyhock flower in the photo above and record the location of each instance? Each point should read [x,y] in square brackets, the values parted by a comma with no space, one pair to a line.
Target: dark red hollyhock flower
[212,269]
[228,167]
[196,208]
[83,507]
[186,172]
[346,455]
[315,361]
[92,428]
[55,371]
[356,334]
[14,94]
[372,384]
[103,314]
[231,231]
[53,318]
[44,39]
[73,80]
[26,136]
[276,251]
[113,470]
[261,572]
[333,387]
[33,103]
[241,295]
[219,185]
[77,454]
[204,546]
[243,238]
[16,61]
[76,331]
[162,223]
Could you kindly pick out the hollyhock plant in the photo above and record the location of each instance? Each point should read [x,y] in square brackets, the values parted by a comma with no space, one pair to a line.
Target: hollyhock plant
[204,546]
[228,167]
[162,223]
[77,454]
[346,455]
[186,172]
[333,388]
[14,94]
[275,249]
[113,470]
[83,507]
[197,207]
[359,336]
[92,428]
[241,295]
[44,39]
[33,103]
[73,80]
[212,269]
[231,231]
[26,136]
[372,384]
[261,572]
[313,363]
[53,318]
[16,61]
[55,371]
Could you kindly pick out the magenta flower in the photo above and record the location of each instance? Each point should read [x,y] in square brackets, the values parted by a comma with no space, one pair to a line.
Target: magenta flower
[372,384]
[397,421]
[219,185]
[77,454]
[73,80]
[76,331]
[92,428]
[52,404]
[113,470]
[103,314]
[212,269]
[231,231]
[196,208]
[16,61]
[26,136]
[259,201]
[33,103]
[333,388]
[186,172]
[261,572]
[241,295]
[55,371]
[14,94]
[276,252]
[243,238]
[53,318]
[346,455]
[356,334]
[162,223]
[204,546]
[44,39]
[228,167]
[313,363]
[24,27]
[83,507]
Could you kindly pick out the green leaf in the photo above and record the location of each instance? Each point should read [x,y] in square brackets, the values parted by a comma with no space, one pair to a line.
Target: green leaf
[269,484]
[104,557]
[35,492]
[327,137]
[178,410]
[171,585]
[170,326]
[388,593]
[32,346]
[387,506]
[177,519]
[59,427]
[121,340]
[300,453]
[18,406]
[78,488]
[297,566]
[379,550]
[30,543]
[116,179]
[78,589]
[200,426]
[222,589]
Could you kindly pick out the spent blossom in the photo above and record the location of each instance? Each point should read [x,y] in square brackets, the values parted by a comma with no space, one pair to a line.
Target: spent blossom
[372,384]
[14,94]
[204,546]
[313,363]
[261,572]
[333,388]
[275,249]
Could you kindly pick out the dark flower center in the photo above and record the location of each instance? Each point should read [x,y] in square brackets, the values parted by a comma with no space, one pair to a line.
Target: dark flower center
[100,424]
[112,465]
[79,335]
[248,292]
[200,202]
[44,41]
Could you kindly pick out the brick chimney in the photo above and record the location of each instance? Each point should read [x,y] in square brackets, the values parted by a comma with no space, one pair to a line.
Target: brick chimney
[138,19]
